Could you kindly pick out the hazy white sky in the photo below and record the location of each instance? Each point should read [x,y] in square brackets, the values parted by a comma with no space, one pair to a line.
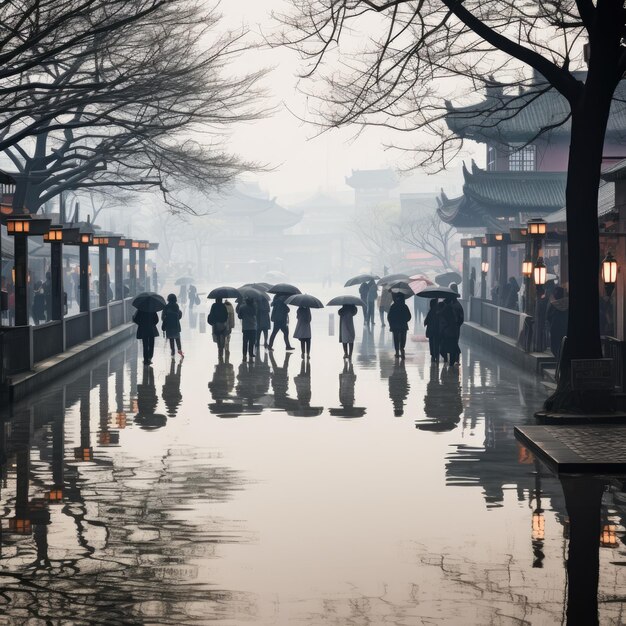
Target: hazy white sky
[303,162]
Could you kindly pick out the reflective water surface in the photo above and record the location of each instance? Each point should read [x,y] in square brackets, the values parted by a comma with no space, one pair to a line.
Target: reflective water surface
[287,492]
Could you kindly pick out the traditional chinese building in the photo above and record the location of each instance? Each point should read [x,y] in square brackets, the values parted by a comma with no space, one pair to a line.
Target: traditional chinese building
[372,187]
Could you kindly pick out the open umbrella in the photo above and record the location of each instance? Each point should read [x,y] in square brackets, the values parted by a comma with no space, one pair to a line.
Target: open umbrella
[306,300]
[149,302]
[259,286]
[345,300]
[224,292]
[437,292]
[251,292]
[417,283]
[390,278]
[184,280]
[360,279]
[284,289]
[449,277]
[402,287]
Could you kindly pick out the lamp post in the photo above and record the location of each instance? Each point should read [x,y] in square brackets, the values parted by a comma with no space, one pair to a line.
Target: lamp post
[484,266]
[82,239]
[20,229]
[102,242]
[55,238]
[132,266]
[539,276]
[466,245]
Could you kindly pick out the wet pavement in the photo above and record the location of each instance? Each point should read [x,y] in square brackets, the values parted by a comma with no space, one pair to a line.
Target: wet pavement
[283,492]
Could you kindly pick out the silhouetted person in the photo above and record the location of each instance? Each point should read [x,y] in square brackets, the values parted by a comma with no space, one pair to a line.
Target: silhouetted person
[171,389]
[280,319]
[194,300]
[147,401]
[472,283]
[433,329]
[372,295]
[384,304]
[303,330]
[346,329]
[182,294]
[247,315]
[398,319]
[230,309]
[452,318]
[557,319]
[363,291]
[220,328]
[510,299]
[146,331]
[263,321]
[170,323]
[398,388]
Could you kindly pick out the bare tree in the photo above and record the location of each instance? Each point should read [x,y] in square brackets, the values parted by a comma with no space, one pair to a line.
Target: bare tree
[373,229]
[428,234]
[420,52]
[153,83]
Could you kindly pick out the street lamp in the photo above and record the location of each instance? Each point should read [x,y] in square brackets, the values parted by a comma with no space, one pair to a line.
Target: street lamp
[484,267]
[537,227]
[527,267]
[540,273]
[609,273]
[55,238]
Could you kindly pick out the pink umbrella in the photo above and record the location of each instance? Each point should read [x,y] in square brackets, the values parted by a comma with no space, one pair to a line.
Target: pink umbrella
[418,283]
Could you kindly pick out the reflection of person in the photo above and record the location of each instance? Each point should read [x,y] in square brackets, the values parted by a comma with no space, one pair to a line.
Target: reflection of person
[398,319]
[280,380]
[346,329]
[147,401]
[170,323]
[222,383]
[442,401]
[303,330]
[432,324]
[146,331]
[303,384]
[246,382]
[347,380]
[398,388]
[171,388]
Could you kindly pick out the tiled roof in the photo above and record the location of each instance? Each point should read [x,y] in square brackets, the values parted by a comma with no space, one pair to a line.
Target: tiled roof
[606,204]
[513,118]
[372,179]
[274,217]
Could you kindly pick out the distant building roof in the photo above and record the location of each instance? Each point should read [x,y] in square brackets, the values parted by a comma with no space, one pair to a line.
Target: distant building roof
[512,118]
[491,197]
[372,179]
[606,203]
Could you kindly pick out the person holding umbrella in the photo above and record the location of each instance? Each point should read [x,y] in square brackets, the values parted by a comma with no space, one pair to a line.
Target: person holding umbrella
[305,302]
[218,320]
[146,318]
[432,324]
[263,321]
[398,319]
[170,323]
[280,319]
[246,312]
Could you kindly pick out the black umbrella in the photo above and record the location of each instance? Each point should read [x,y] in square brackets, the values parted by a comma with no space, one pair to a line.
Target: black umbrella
[401,287]
[149,302]
[345,300]
[184,280]
[449,277]
[360,279]
[251,292]
[284,289]
[390,278]
[306,300]
[259,286]
[437,292]
[224,292]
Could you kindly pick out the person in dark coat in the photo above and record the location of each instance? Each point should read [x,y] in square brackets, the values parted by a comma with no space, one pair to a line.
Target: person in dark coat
[398,319]
[47,293]
[472,283]
[280,318]
[247,314]
[452,318]
[194,299]
[146,331]
[263,322]
[170,323]
[346,329]
[557,319]
[432,324]
[510,299]
[218,319]
[38,308]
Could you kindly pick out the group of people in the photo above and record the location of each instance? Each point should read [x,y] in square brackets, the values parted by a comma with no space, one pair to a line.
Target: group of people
[443,329]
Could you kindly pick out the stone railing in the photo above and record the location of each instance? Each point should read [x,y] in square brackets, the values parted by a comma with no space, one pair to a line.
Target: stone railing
[497,319]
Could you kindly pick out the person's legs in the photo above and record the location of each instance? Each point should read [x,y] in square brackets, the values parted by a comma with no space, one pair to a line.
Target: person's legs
[350,349]
[265,333]
[308,346]
[396,342]
[402,341]
[172,346]
[179,346]
[303,346]
[245,344]
[285,330]
[151,347]
[345,349]
[275,329]
[381,312]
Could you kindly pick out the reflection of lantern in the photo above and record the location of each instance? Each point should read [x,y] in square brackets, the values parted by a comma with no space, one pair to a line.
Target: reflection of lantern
[120,419]
[609,273]
[55,494]
[83,454]
[608,537]
[524,455]
[134,406]
[527,267]
[539,526]
[20,526]
[540,272]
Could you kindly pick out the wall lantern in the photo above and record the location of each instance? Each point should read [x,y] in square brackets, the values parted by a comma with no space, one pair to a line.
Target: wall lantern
[527,267]
[20,526]
[484,267]
[609,273]
[540,272]
[27,226]
[85,238]
[135,244]
[537,227]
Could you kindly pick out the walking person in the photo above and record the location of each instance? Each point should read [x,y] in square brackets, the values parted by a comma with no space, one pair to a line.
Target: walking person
[346,329]
[194,299]
[146,331]
[230,309]
[218,320]
[263,321]
[398,319]
[557,319]
[182,294]
[452,318]
[303,330]
[280,319]
[247,314]
[372,295]
[432,324]
[384,304]
[363,294]
[170,324]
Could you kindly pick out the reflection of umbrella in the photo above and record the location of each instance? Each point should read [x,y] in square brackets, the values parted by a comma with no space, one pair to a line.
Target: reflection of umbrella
[251,292]
[344,300]
[402,287]
[275,275]
[284,289]
[449,277]
[306,411]
[306,300]
[437,292]
[360,279]
[390,278]
[184,280]
[149,302]
[223,292]
[350,411]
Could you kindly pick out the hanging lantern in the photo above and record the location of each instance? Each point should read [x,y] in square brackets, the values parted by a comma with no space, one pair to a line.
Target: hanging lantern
[527,267]
[540,272]
[609,273]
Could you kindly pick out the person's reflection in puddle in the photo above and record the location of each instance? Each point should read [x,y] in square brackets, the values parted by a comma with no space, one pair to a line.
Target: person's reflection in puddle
[366,355]
[280,381]
[147,401]
[246,388]
[443,405]
[398,387]
[263,374]
[171,388]
[302,406]
[347,380]
[220,387]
